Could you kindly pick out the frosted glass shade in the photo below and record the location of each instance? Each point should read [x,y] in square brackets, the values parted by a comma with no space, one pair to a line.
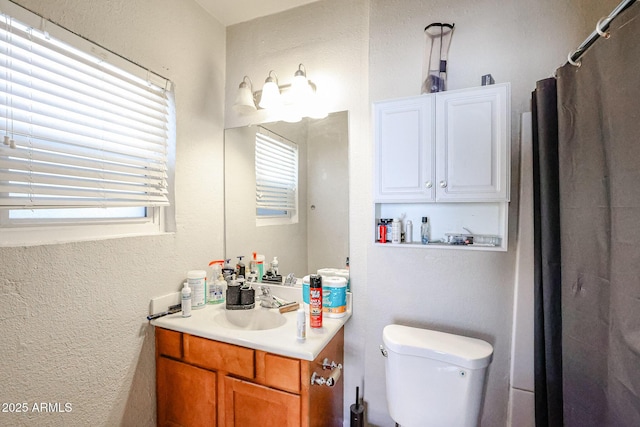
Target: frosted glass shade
[244,100]
[270,95]
[301,91]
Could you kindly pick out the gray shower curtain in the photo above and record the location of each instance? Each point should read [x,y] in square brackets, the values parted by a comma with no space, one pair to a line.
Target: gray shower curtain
[599,204]
[547,257]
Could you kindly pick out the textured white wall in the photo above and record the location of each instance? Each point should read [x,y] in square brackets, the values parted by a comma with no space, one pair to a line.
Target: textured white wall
[72,322]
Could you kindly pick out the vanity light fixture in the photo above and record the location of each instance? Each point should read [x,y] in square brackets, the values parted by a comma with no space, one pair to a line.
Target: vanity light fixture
[291,102]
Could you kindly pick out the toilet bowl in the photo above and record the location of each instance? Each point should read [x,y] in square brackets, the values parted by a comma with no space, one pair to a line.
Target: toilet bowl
[434,378]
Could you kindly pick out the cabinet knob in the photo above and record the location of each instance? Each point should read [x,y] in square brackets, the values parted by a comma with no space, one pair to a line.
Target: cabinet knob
[428,184]
[443,184]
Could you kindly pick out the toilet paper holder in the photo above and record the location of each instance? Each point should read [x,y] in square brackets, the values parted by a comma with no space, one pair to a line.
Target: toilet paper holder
[332,379]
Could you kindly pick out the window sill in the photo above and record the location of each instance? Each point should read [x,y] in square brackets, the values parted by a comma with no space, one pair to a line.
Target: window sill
[60,234]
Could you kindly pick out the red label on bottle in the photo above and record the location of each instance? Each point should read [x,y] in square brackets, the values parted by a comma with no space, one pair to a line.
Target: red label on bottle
[383,233]
[315,307]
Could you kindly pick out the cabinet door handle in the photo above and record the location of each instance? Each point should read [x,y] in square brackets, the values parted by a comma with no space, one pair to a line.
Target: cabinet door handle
[428,184]
[443,184]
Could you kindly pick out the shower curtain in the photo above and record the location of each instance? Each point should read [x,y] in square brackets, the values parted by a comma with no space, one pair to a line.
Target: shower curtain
[598,156]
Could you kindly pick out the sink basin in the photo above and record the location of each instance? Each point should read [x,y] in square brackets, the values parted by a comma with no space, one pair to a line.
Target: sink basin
[250,320]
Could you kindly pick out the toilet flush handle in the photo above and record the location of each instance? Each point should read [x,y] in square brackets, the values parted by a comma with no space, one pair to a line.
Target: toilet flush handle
[383,351]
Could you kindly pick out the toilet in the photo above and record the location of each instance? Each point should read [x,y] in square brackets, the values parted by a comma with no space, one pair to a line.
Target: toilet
[434,378]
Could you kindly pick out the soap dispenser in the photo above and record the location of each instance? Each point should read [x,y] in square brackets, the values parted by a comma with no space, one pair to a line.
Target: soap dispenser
[240,268]
[217,284]
[227,270]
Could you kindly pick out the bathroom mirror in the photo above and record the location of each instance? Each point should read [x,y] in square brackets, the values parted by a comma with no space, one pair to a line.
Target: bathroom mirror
[316,234]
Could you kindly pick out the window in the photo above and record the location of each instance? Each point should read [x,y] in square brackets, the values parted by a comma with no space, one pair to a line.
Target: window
[86,137]
[276,163]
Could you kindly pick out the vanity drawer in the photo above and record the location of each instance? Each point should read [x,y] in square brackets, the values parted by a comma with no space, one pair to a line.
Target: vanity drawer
[169,343]
[278,372]
[219,356]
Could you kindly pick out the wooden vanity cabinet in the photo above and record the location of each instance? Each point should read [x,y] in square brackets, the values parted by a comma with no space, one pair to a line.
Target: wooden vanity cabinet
[201,382]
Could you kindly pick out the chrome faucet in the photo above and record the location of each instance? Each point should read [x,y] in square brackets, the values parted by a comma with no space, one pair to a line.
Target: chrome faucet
[270,301]
[266,299]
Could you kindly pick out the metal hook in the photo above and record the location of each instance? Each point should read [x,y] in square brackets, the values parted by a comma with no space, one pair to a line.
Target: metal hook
[604,20]
[383,351]
[571,61]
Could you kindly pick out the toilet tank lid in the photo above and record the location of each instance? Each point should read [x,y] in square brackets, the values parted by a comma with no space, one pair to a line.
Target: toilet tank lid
[471,353]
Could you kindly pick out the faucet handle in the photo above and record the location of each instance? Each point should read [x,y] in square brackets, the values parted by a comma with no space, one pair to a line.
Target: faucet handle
[290,280]
[266,291]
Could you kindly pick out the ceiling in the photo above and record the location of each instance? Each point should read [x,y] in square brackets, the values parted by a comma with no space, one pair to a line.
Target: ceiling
[230,12]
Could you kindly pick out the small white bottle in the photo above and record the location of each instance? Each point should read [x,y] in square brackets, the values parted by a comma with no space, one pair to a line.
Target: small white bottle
[301,325]
[186,300]
[408,232]
[396,230]
[274,266]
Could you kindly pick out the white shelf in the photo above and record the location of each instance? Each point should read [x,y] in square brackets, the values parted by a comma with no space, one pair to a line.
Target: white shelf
[442,246]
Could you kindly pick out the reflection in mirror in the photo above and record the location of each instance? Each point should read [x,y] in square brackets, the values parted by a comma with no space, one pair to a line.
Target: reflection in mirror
[314,235]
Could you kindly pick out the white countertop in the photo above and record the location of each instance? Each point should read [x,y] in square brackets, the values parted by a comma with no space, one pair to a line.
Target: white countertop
[281,340]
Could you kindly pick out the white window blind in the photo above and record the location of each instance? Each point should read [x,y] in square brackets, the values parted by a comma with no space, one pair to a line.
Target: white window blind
[276,163]
[77,131]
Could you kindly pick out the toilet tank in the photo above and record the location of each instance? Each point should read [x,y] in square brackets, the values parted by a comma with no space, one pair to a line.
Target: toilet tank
[434,378]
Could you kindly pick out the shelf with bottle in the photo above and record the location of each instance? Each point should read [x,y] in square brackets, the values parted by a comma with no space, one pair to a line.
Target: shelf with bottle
[472,226]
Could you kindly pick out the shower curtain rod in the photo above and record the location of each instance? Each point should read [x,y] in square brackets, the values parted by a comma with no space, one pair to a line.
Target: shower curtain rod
[601,27]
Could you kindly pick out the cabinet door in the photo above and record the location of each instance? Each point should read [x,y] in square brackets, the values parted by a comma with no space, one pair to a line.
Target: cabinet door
[404,151]
[186,394]
[473,134]
[252,405]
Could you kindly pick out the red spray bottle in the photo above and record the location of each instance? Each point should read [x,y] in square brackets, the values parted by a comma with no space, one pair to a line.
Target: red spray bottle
[315,301]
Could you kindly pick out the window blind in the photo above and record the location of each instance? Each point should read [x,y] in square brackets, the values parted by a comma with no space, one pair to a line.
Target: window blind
[77,131]
[276,163]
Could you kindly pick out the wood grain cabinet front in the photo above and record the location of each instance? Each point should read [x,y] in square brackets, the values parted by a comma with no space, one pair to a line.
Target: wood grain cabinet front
[201,382]
[186,395]
[253,405]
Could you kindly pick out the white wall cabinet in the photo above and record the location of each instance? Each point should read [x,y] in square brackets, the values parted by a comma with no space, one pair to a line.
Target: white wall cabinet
[447,146]
[405,149]
[447,156]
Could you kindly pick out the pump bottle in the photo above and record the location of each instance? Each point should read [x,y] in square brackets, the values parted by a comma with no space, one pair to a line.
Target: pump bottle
[216,283]
[186,300]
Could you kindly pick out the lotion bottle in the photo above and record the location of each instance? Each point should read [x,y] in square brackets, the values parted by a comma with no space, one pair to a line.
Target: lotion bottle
[301,325]
[186,300]
[396,230]
[408,232]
